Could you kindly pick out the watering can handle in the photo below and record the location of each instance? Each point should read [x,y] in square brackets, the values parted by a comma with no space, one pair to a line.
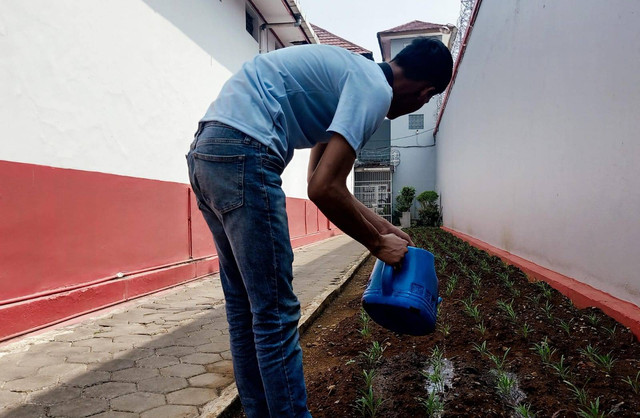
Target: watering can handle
[387,280]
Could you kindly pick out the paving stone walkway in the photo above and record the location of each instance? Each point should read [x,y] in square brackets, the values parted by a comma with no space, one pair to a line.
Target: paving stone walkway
[164,355]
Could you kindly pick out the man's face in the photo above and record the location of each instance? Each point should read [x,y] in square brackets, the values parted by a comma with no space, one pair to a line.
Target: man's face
[410,100]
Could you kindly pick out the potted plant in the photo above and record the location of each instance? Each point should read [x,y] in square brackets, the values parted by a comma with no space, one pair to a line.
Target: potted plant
[429,214]
[403,205]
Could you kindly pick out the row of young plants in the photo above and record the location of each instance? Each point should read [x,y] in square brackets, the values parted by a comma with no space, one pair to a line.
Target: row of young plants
[533,315]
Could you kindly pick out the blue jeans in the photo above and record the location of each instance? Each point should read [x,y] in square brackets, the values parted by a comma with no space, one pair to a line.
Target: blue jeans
[237,183]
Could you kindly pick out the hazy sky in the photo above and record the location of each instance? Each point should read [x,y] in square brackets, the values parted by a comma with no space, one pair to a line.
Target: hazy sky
[359,21]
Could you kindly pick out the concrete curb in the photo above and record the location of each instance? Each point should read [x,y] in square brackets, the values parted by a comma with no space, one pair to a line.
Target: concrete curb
[313,310]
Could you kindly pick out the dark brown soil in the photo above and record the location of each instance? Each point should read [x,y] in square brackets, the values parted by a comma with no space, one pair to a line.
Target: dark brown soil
[334,344]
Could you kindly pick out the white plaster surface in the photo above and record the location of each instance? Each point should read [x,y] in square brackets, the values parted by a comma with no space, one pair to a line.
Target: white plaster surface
[538,147]
[113,86]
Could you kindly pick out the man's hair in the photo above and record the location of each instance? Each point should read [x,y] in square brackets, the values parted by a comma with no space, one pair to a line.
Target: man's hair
[426,59]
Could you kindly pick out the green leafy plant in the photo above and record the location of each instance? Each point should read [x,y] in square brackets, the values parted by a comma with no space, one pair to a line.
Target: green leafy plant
[605,361]
[429,213]
[365,331]
[445,329]
[500,362]
[566,326]
[451,285]
[590,352]
[432,404]
[481,328]
[470,309]
[561,368]
[368,376]
[524,411]
[580,394]
[545,288]
[505,385]
[592,410]
[374,354]
[484,265]
[634,383]
[404,200]
[547,310]
[593,319]
[481,348]
[544,350]
[611,332]
[368,404]
[508,309]
[526,330]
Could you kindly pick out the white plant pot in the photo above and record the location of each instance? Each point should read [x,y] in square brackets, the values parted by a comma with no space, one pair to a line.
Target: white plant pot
[405,221]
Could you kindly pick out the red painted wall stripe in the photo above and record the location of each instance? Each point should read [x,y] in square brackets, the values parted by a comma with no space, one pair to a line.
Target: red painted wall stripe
[582,295]
[66,234]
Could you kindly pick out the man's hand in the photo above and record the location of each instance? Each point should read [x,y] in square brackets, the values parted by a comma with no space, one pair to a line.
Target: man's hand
[399,233]
[391,249]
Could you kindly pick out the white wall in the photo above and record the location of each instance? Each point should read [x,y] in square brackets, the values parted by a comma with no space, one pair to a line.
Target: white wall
[538,148]
[113,86]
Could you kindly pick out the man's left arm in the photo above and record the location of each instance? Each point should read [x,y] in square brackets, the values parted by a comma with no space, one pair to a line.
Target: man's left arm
[378,222]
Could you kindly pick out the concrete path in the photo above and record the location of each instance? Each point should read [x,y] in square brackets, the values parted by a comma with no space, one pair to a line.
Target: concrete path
[164,355]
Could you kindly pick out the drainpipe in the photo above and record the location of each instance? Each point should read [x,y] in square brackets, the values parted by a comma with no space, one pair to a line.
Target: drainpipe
[265,26]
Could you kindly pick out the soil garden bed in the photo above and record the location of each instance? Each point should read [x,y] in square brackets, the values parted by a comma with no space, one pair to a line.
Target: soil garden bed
[504,346]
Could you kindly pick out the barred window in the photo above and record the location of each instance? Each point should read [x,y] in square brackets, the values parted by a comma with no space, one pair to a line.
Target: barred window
[416,121]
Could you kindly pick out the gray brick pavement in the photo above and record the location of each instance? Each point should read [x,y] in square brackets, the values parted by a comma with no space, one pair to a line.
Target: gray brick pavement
[164,355]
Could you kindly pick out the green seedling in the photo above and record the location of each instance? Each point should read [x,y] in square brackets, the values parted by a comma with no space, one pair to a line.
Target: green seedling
[605,361]
[634,383]
[535,299]
[437,355]
[526,330]
[591,411]
[593,319]
[481,328]
[445,329]
[484,265]
[515,292]
[365,331]
[580,394]
[508,309]
[547,310]
[503,276]
[481,348]
[443,264]
[368,376]
[545,289]
[470,309]
[524,411]
[476,280]
[563,370]
[451,285]
[611,332]
[374,354]
[432,404]
[544,350]
[500,362]
[590,352]
[566,326]
[505,385]
[368,404]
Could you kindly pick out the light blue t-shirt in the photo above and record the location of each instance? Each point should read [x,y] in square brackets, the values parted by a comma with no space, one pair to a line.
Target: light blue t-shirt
[296,97]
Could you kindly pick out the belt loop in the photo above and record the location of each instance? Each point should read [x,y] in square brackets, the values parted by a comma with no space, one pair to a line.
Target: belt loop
[197,134]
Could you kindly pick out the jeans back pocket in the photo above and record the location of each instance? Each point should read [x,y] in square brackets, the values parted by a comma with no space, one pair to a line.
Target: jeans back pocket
[220,180]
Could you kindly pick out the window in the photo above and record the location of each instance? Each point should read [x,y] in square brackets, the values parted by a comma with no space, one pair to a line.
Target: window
[416,121]
[251,22]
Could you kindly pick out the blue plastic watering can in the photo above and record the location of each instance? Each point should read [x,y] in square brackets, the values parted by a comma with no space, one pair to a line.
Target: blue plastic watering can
[405,300]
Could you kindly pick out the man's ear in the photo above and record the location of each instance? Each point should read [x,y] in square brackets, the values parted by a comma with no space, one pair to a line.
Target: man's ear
[427,91]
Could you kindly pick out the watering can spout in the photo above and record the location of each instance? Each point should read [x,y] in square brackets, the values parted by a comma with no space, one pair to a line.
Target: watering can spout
[404,300]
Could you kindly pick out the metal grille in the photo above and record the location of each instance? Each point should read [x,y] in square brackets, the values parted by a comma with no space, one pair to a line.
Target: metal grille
[416,121]
[372,187]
